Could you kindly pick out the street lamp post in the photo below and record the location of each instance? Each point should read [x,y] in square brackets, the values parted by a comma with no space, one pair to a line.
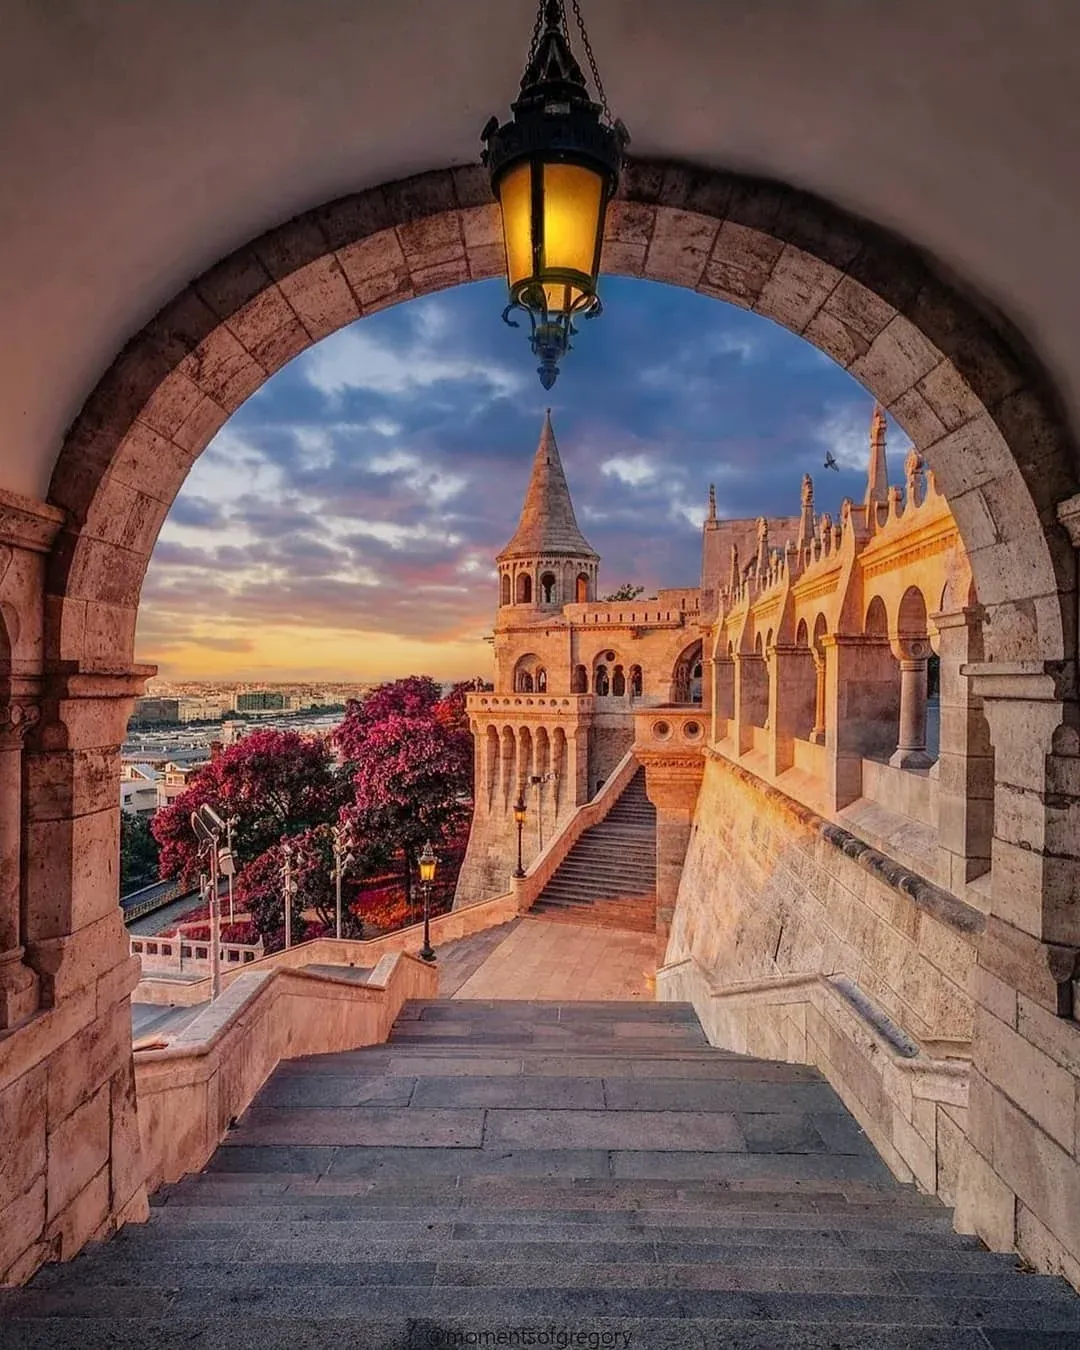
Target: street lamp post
[519,818]
[286,877]
[229,823]
[427,863]
[209,827]
[341,834]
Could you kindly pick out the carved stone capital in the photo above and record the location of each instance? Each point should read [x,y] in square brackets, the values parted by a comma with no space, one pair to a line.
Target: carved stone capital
[17,718]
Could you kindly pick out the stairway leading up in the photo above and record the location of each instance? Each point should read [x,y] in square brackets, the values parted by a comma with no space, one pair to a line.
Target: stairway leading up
[578,1168]
[609,876]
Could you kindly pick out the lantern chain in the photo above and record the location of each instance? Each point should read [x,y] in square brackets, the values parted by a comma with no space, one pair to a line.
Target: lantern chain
[592,59]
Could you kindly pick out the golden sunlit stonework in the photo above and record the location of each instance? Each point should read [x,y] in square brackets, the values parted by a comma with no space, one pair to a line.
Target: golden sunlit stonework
[813,653]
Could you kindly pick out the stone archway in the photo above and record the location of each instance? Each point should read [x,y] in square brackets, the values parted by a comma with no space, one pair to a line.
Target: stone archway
[973,399]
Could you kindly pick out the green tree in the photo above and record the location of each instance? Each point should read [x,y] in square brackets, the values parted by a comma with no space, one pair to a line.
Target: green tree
[138,853]
[625,592]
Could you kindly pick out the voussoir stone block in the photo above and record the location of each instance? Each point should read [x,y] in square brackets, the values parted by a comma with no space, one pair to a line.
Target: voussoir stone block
[796,289]
[898,357]
[432,241]
[321,297]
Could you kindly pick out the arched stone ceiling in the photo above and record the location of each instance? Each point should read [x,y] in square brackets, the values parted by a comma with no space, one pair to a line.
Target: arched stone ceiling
[144,140]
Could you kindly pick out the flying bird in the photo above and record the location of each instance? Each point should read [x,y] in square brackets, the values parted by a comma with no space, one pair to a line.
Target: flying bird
[830,461]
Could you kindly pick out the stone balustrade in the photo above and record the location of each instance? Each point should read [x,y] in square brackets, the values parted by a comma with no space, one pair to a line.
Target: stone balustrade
[183,955]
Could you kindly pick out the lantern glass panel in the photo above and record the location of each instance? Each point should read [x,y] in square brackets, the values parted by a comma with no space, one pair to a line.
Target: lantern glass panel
[515,198]
[573,201]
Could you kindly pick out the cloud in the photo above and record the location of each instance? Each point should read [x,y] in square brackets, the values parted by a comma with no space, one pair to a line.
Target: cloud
[362,498]
[633,470]
[359,358]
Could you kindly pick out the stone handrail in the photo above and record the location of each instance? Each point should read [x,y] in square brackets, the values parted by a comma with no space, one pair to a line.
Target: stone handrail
[883,1076]
[164,955]
[190,1091]
[526,890]
[364,954]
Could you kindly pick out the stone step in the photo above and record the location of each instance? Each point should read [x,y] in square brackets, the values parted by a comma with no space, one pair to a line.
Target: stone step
[292,1290]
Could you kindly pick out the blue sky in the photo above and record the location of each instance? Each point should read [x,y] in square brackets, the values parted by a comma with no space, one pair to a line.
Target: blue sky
[344,522]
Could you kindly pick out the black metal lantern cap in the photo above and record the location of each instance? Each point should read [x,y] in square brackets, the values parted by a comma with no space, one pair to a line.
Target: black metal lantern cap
[554,168]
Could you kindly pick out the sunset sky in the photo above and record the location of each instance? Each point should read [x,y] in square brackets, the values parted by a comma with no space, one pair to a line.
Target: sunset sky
[343,524]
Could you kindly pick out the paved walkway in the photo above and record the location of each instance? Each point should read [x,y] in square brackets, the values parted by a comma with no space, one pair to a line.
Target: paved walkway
[540,959]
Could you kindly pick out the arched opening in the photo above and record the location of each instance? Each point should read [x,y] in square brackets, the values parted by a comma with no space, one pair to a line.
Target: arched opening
[524,588]
[548,593]
[579,681]
[618,683]
[601,681]
[871,712]
[528,673]
[581,589]
[686,678]
[965,392]
[504,589]
[637,682]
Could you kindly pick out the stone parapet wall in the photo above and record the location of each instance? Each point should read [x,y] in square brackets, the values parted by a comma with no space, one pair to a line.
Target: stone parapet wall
[771,889]
[797,940]
[208,1075]
[912,1106]
[327,951]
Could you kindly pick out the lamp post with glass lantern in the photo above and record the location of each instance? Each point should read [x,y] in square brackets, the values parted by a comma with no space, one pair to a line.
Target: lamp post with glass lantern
[427,863]
[554,169]
[519,820]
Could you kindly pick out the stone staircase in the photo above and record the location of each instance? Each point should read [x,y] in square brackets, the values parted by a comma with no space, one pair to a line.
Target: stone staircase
[609,877]
[582,1169]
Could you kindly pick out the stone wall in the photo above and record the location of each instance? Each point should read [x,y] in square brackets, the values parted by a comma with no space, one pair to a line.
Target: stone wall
[839,957]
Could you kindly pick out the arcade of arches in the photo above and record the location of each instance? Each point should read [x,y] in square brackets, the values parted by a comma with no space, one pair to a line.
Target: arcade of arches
[986,1112]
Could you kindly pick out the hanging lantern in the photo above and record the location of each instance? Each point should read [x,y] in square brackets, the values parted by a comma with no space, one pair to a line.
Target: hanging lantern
[554,169]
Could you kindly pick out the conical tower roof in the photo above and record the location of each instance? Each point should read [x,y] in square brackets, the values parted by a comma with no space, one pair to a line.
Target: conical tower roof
[548,524]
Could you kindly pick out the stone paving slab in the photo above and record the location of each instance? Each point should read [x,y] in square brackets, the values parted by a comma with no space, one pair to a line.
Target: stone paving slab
[288,1090]
[723,1094]
[412,1127]
[705,1166]
[411,1163]
[552,1093]
[255,1331]
[693,1130]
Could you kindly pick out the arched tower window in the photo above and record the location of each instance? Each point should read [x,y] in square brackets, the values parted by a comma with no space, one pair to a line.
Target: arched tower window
[541,681]
[601,684]
[504,589]
[524,588]
[581,589]
[618,683]
[636,683]
[524,682]
[687,676]
[547,588]
[579,681]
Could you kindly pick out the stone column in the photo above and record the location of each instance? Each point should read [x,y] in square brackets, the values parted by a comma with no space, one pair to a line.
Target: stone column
[965,765]
[817,732]
[1020,1164]
[577,767]
[913,655]
[18,982]
[672,783]
[77,1050]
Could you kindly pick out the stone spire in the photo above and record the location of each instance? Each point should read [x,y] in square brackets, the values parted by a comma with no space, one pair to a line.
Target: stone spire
[712,504]
[548,524]
[806,517]
[877,476]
